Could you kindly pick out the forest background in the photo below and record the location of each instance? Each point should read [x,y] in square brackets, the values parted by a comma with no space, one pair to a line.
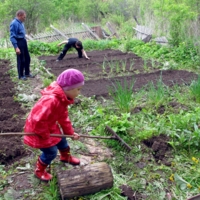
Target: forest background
[178,20]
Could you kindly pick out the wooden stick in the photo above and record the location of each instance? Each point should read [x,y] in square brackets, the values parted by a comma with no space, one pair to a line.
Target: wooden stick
[59,32]
[93,34]
[141,31]
[57,135]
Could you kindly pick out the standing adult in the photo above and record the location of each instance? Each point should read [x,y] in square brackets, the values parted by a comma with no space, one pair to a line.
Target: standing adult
[17,37]
[75,43]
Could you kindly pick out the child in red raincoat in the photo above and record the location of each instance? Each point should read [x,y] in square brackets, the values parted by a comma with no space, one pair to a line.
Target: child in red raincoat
[48,115]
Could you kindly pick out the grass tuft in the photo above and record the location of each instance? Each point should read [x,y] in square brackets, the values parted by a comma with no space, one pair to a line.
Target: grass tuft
[122,95]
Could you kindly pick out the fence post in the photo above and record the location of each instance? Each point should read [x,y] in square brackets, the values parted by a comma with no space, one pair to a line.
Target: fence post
[93,34]
[55,29]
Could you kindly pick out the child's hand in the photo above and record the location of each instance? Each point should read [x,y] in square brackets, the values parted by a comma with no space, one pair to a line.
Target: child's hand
[76,136]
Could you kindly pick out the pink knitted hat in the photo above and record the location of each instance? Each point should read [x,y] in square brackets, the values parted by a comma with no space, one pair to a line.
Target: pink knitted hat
[70,79]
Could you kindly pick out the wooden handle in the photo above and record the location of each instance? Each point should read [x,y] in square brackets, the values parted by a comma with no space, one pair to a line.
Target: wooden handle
[56,135]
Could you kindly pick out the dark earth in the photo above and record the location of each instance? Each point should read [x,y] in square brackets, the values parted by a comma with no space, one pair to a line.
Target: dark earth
[102,70]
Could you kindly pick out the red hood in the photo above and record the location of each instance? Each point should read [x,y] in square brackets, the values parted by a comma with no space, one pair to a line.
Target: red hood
[56,90]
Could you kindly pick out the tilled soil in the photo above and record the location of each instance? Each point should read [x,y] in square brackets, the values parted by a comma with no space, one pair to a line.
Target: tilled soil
[106,67]
[11,119]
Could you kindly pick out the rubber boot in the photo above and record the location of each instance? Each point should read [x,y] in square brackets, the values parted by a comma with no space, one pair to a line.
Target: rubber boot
[66,157]
[40,171]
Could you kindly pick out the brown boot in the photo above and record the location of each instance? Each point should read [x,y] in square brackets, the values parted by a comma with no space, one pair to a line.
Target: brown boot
[40,171]
[65,156]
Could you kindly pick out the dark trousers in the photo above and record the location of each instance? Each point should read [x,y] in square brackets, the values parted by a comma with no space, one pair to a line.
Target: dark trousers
[23,59]
[64,51]
[48,154]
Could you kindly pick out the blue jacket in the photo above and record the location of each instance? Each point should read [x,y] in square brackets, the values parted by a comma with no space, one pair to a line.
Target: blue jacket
[17,31]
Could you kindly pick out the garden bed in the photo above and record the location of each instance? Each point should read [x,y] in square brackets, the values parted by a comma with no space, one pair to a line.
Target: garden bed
[100,73]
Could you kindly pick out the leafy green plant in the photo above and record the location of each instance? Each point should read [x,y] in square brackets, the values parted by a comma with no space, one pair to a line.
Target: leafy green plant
[119,123]
[130,44]
[3,175]
[51,192]
[117,68]
[131,65]
[113,66]
[145,64]
[123,64]
[47,82]
[104,66]
[101,45]
[184,131]
[6,53]
[195,89]
[40,48]
[157,94]
[122,94]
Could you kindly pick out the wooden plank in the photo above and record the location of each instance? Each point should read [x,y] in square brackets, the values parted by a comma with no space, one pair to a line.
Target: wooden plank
[143,30]
[84,180]
[98,31]
[59,32]
[161,40]
[143,33]
[112,29]
[93,34]
[56,35]
[28,37]
[52,35]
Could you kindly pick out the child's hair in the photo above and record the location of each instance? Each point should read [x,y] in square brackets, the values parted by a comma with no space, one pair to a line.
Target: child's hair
[79,44]
[70,79]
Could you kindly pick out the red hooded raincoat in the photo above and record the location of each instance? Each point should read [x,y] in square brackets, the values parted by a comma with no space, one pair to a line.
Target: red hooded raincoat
[46,116]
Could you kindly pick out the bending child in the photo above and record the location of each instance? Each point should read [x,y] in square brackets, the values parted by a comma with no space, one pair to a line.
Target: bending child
[72,42]
[50,115]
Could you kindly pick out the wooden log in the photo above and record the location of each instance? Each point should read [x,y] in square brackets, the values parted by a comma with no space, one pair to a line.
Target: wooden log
[84,180]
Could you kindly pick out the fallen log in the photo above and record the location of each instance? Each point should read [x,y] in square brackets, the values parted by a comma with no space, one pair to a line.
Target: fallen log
[84,180]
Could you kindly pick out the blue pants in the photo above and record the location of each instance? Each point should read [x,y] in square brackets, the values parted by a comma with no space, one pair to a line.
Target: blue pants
[23,59]
[48,154]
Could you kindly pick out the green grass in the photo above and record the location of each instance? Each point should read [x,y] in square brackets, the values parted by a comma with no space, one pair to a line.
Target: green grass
[122,95]
[195,89]
[157,93]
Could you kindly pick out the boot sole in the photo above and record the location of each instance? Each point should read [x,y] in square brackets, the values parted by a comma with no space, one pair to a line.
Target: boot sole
[46,181]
